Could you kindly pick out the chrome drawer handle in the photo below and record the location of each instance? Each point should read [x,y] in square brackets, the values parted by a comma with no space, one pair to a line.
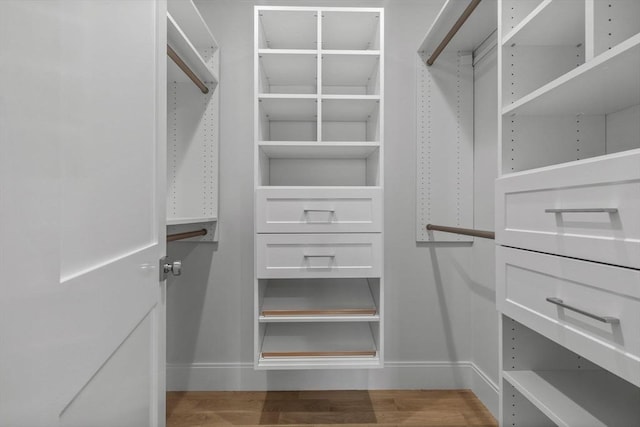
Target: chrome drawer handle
[583,210]
[603,319]
[320,256]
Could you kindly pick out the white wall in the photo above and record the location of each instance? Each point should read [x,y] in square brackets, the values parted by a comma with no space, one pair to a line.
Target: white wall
[430,290]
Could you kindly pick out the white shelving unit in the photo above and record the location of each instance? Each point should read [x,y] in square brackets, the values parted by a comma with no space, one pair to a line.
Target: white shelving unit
[192,122]
[318,179]
[567,268]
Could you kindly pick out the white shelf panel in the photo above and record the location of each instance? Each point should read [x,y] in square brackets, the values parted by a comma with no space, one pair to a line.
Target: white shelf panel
[289,29]
[320,150]
[318,338]
[180,43]
[579,397]
[482,22]
[290,108]
[348,108]
[608,83]
[313,301]
[187,15]
[350,30]
[552,23]
[181,221]
[287,69]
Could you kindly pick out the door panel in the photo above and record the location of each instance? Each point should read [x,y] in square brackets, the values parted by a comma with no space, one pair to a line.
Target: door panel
[82,167]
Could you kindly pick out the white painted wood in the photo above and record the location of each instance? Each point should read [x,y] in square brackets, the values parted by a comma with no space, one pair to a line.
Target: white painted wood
[349,109]
[525,279]
[307,172]
[623,129]
[181,44]
[294,28]
[290,109]
[82,213]
[287,72]
[350,73]
[324,150]
[569,399]
[611,181]
[512,12]
[350,29]
[197,31]
[444,152]
[552,23]
[606,84]
[318,210]
[318,255]
[614,22]
[314,295]
[478,26]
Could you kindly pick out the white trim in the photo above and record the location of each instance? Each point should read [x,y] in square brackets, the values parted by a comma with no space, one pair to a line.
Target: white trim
[395,375]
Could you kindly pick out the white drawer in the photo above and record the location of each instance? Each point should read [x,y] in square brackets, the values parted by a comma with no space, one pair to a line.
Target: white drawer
[548,210]
[319,210]
[524,281]
[318,255]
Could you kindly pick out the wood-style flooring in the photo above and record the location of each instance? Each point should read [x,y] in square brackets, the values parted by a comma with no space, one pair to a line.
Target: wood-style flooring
[442,408]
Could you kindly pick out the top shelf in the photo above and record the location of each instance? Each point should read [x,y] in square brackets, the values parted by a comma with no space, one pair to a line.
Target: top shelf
[480,25]
[181,44]
[186,14]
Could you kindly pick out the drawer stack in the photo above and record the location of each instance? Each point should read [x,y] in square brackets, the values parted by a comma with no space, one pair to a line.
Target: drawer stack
[318,187]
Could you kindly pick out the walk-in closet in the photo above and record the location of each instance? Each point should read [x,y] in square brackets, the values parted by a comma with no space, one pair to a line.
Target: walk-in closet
[319,213]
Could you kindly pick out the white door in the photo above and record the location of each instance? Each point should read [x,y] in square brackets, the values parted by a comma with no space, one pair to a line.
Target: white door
[82,167]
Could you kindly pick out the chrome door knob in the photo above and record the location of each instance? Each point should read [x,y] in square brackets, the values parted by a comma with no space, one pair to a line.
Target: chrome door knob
[174,268]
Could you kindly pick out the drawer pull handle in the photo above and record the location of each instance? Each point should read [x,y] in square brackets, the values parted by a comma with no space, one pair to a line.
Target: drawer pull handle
[320,256]
[603,319]
[320,210]
[583,210]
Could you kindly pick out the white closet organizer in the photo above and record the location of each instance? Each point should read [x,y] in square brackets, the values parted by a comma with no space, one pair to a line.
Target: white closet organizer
[318,178]
[192,124]
[568,212]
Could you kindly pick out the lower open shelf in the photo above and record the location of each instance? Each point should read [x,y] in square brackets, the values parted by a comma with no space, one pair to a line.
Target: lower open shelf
[309,345]
[579,397]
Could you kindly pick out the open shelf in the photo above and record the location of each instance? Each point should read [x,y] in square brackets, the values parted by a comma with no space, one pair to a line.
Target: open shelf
[348,73]
[569,398]
[291,29]
[290,108]
[196,30]
[326,150]
[318,301]
[338,108]
[318,344]
[552,23]
[194,220]
[351,30]
[180,43]
[482,22]
[606,84]
[287,72]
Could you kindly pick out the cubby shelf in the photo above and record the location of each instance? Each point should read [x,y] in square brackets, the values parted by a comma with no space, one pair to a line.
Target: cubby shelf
[185,49]
[606,84]
[194,220]
[569,398]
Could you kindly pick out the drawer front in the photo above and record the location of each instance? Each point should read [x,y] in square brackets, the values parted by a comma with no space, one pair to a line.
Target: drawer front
[569,210]
[318,255]
[318,210]
[526,280]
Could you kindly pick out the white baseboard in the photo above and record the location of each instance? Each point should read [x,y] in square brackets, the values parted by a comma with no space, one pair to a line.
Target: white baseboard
[486,389]
[394,375]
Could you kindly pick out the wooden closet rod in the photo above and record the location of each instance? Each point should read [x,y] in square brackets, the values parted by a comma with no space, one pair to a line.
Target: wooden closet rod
[184,67]
[186,235]
[452,32]
[465,231]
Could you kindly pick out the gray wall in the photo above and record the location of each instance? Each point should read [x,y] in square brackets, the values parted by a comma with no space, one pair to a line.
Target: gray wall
[430,290]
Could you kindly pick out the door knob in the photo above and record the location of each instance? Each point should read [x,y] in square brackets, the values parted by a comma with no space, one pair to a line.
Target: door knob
[167,266]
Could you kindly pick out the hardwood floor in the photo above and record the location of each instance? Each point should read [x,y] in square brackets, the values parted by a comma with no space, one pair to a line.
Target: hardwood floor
[442,408]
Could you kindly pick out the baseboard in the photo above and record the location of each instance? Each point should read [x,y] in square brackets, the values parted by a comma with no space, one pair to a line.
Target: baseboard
[394,375]
[487,391]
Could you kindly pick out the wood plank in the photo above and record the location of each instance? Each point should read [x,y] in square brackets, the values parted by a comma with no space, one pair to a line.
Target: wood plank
[339,312]
[267,354]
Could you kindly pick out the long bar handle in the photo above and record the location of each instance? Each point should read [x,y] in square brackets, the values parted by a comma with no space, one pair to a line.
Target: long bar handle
[603,319]
[319,256]
[185,68]
[320,210]
[583,210]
